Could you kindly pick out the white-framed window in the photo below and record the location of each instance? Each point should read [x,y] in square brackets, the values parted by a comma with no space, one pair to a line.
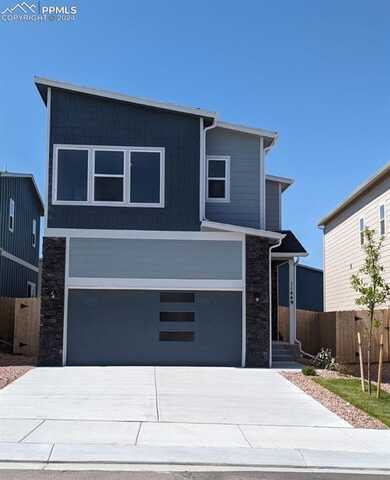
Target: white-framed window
[361,231]
[382,222]
[31,289]
[108,176]
[218,178]
[11,215]
[34,233]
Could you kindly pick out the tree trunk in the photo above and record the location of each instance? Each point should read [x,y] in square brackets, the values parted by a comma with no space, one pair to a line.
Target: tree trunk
[369,352]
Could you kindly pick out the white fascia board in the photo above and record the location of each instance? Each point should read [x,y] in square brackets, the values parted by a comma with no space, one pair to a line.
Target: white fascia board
[141,234]
[284,181]
[288,254]
[355,194]
[25,175]
[243,230]
[123,98]
[245,129]
[18,260]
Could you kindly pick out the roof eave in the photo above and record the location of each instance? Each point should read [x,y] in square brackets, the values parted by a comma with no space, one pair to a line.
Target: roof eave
[226,227]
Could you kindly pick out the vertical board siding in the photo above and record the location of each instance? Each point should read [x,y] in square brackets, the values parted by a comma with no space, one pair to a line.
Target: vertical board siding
[19,243]
[343,254]
[272,205]
[309,285]
[14,278]
[86,120]
[244,151]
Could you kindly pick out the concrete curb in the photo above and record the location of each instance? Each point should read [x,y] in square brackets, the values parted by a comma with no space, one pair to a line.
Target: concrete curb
[227,457]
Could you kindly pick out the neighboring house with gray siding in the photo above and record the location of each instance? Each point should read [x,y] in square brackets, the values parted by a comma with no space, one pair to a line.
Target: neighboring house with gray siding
[343,239]
[20,210]
[163,235]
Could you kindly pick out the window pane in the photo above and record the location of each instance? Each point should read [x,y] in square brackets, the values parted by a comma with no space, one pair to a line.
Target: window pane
[108,189]
[176,336]
[382,212]
[177,316]
[145,177]
[72,178]
[382,227]
[217,168]
[216,188]
[109,162]
[177,297]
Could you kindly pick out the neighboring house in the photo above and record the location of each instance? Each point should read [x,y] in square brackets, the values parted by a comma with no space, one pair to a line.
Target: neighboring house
[343,240]
[20,210]
[309,287]
[162,231]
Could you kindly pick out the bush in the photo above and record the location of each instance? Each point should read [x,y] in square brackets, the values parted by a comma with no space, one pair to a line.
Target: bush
[325,360]
[309,371]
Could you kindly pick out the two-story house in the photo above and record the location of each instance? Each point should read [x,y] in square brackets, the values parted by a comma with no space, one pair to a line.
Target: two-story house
[343,239]
[20,210]
[162,235]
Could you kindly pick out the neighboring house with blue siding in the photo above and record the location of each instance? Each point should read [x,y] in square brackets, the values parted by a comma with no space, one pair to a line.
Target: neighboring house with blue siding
[163,234]
[309,286]
[20,210]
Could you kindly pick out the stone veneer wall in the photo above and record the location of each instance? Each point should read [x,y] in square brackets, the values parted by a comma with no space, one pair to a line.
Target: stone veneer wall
[257,302]
[275,299]
[52,302]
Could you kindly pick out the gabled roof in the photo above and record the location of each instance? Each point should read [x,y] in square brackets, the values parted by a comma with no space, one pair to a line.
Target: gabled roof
[378,176]
[34,185]
[42,85]
[284,181]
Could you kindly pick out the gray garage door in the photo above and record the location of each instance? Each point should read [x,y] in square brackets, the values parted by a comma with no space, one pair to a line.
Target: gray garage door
[126,327]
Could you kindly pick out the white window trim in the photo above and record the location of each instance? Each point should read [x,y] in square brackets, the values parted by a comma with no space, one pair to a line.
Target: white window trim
[34,233]
[382,219]
[91,178]
[11,214]
[33,287]
[226,159]
[91,175]
[361,231]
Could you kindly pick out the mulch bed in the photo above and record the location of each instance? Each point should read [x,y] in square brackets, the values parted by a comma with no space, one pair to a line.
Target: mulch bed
[13,367]
[354,416]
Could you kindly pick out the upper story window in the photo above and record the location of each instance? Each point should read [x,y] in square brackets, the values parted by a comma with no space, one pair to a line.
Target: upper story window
[361,231]
[113,176]
[11,215]
[382,223]
[218,178]
[34,233]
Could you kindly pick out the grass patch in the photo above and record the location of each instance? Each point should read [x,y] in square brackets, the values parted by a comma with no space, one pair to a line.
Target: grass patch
[351,391]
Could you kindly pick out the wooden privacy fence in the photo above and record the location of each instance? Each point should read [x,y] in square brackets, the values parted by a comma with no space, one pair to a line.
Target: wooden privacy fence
[338,331]
[19,324]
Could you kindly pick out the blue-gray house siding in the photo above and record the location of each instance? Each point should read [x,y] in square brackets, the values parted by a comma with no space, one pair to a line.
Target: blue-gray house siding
[13,275]
[87,120]
[310,295]
[244,150]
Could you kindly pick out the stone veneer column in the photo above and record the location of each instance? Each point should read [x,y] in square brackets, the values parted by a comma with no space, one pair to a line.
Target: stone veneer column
[257,302]
[52,302]
[275,299]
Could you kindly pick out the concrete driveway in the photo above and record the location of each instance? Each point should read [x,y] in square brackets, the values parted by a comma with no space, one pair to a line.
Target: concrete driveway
[220,407]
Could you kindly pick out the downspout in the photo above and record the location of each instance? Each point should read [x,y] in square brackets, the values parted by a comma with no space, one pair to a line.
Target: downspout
[205,130]
[298,342]
[270,296]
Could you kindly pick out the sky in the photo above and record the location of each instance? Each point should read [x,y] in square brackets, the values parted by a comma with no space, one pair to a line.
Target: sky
[316,71]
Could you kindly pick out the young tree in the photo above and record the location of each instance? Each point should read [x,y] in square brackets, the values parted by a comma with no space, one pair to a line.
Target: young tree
[371,287]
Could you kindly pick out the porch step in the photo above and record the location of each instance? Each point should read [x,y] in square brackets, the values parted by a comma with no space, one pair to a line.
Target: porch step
[284,352]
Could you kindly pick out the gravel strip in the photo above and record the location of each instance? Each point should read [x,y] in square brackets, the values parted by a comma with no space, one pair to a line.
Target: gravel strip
[355,417]
[13,367]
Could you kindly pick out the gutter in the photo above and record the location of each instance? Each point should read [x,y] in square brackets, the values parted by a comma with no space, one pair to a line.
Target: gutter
[270,296]
[204,163]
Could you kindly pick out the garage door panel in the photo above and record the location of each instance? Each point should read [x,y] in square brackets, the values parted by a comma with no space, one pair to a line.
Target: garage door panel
[107,327]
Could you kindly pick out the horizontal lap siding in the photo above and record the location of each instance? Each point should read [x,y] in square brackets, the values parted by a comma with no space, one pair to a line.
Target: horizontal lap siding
[87,120]
[19,243]
[149,258]
[343,255]
[14,278]
[272,202]
[244,151]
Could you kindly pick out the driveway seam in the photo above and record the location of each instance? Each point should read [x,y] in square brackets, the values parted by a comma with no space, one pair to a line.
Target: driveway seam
[139,431]
[155,389]
[51,453]
[243,434]
[31,431]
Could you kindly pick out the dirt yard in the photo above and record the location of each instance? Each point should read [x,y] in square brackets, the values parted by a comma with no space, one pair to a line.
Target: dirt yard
[13,367]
